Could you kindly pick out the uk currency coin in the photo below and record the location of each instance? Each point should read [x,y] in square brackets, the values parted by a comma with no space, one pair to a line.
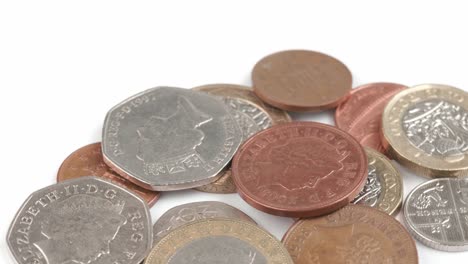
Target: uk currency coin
[300,169]
[251,114]
[88,161]
[301,80]
[227,241]
[436,213]
[169,138]
[361,114]
[191,212]
[425,128]
[384,186]
[353,234]
[84,220]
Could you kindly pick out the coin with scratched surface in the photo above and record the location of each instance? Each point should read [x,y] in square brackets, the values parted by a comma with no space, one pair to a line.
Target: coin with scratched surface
[301,80]
[226,241]
[169,138]
[88,161]
[353,234]
[436,213]
[84,220]
[425,128]
[191,212]
[361,114]
[250,113]
[300,169]
[384,186]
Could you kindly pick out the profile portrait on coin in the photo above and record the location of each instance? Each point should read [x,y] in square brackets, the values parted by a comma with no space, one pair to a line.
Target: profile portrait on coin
[165,138]
[438,127]
[300,164]
[79,229]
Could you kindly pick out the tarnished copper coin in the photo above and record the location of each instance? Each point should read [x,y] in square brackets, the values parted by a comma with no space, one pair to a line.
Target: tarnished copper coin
[88,161]
[301,80]
[361,114]
[252,115]
[353,234]
[300,169]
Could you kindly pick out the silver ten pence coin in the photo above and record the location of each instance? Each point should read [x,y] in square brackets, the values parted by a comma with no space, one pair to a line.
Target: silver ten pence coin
[85,220]
[436,213]
[192,212]
[169,138]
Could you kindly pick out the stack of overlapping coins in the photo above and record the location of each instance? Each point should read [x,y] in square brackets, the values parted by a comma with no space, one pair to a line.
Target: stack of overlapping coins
[337,182]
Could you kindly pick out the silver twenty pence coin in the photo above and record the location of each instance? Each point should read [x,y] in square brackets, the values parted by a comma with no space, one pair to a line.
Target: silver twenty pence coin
[85,220]
[192,212]
[169,138]
[436,213]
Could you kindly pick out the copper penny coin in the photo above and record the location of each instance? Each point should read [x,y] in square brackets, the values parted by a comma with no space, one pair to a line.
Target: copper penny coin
[300,169]
[252,115]
[361,114]
[301,80]
[354,234]
[88,161]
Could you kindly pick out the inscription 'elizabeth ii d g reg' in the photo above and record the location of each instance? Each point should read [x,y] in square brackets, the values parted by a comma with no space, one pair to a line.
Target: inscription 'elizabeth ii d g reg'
[159,138]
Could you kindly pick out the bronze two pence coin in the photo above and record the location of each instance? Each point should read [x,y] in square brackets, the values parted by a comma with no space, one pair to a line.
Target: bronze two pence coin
[301,80]
[88,161]
[361,114]
[353,234]
[300,169]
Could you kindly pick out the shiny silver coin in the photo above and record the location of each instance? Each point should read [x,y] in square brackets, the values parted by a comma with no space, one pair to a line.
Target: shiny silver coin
[84,220]
[169,138]
[436,213]
[192,212]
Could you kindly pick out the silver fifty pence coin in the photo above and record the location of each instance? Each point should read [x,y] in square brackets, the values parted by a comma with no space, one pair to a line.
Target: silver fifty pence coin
[168,138]
[84,220]
[192,212]
[436,213]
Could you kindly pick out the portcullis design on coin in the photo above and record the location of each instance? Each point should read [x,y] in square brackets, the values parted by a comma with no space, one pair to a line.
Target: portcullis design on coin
[353,234]
[425,128]
[300,169]
[191,212]
[159,138]
[84,220]
[436,213]
[87,161]
[301,80]
[361,114]
[227,241]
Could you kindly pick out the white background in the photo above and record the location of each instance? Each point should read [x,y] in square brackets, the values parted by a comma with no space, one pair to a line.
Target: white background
[64,64]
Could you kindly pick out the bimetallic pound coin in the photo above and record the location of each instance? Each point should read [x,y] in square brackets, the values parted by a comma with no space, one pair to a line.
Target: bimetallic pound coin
[353,234]
[361,114]
[384,186]
[251,114]
[436,213]
[84,220]
[191,212]
[425,128]
[300,169]
[301,80]
[169,138]
[88,161]
[226,241]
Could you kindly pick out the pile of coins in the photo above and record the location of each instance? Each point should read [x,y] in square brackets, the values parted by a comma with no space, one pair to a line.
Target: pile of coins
[338,182]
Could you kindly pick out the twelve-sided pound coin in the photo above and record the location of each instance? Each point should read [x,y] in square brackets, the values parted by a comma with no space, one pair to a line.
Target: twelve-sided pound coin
[226,241]
[425,128]
[169,138]
[84,220]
